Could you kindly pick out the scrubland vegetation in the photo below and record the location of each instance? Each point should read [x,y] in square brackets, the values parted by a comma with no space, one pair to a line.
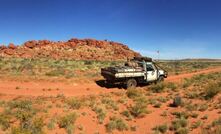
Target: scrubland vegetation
[183,108]
[44,67]
[190,106]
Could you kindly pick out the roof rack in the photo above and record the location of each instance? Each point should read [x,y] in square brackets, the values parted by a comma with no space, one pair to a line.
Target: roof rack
[146,59]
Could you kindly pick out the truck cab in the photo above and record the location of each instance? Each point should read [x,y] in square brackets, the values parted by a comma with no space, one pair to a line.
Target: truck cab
[153,72]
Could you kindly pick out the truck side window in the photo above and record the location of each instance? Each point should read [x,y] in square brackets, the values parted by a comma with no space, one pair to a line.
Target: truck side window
[149,67]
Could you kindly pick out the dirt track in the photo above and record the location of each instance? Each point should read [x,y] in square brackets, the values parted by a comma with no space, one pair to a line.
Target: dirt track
[55,88]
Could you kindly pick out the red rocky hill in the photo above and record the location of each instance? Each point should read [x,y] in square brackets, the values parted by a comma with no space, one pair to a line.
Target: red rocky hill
[78,49]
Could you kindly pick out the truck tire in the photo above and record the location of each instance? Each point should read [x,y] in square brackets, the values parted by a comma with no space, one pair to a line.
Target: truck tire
[131,84]
[160,79]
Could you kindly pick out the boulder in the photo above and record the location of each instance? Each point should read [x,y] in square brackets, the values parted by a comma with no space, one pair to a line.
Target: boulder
[11,46]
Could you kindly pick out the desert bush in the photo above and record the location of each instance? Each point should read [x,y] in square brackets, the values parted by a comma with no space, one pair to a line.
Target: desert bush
[2,103]
[75,103]
[116,124]
[23,110]
[217,122]
[187,83]
[33,127]
[123,100]
[134,93]
[19,130]
[179,123]
[141,100]
[191,107]
[214,128]
[204,117]
[138,110]
[110,103]
[194,115]
[162,99]
[171,86]
[161,128]
[37,126]
[56,72]
[157,88]
[157,105]
[211,90]
[20,104]
[182,131]
[181,115]
[4,121]
[51,124]
[127,114]
[203,107]
[192,95]
[101,113]
[196,124]
[67,122]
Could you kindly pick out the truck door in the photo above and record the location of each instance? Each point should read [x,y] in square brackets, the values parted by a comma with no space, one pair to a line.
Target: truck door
[151,72]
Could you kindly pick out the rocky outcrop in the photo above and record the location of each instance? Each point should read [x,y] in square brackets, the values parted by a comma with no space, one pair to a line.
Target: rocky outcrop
[77,49]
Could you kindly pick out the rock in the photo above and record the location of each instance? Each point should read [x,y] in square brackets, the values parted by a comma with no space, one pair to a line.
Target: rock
[30,44]
[2,47]
[76,49]
[177,101]
[9,51]
[11,46]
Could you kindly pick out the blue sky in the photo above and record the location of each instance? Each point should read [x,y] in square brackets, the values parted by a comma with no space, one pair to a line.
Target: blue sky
[177,28]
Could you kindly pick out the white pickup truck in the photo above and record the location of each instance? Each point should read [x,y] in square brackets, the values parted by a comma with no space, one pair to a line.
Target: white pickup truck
[138,70]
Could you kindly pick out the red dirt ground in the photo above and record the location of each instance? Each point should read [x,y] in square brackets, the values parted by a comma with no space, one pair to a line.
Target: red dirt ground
[44,88]
[11,89]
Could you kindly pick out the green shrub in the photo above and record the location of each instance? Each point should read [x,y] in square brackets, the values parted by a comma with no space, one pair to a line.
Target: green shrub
[203,107]
[138,110]
[33,127]
[127,114]
[194,115]
[217,122]
[211,90]
[75,103]
[191,107]
[56,72]
[67,122]
[19,130]
[51,124]
[101,114]
[134,93]
[204,117]
[187,83]
[179,123]
[181,115]
[182,131]
[4,121]
[196,124]
[116,124]
[141,100]
[161,128]
[109,103]
[21,104]
[192,95]
[157,105]
[37,126]
[171,86]
[159,87]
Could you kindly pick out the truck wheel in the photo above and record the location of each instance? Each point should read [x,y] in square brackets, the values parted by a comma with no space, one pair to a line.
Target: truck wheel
[160,79]
[131,83]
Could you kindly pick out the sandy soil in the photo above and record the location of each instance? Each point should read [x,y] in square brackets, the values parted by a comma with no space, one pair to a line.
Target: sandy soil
[11,89]
[44,88]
